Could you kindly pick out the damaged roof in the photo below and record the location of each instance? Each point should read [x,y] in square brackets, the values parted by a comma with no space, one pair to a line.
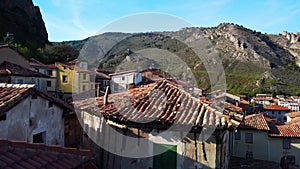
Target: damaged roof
[162,102]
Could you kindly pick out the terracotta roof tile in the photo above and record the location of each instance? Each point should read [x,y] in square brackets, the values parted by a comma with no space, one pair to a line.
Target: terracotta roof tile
[8,69]
[276,107]
[12,94]
[161,102]
[286,131]
[28,156]
[255,121]
[293,114]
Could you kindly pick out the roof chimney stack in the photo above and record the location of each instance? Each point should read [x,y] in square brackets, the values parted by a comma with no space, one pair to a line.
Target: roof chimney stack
[106,96]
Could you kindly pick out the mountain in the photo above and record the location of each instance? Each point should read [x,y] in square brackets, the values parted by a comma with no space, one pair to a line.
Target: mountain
[24,21]
[253,62]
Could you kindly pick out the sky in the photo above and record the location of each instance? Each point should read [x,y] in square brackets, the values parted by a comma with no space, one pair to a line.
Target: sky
[78,19]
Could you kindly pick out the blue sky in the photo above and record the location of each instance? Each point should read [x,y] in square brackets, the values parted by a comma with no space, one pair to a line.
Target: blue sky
[78,19]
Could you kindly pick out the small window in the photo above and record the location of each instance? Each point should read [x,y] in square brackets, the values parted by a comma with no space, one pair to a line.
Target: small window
[50,72]
[92,86]
[84,76]
[249,138]
[36,69]
[48,83]
[249,155]
[279,112]
[272,112]
[237,135]
[39,138]
[286,143]
[34,96]
[3,117]
[83,88]
[65,78]
[50,104]
[291,160]
[20,81]
[123,77]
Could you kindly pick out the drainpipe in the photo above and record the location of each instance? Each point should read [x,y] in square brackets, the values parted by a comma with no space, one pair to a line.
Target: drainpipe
[269,153]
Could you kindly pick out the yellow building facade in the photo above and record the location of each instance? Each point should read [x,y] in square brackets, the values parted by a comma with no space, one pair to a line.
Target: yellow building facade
[71,80]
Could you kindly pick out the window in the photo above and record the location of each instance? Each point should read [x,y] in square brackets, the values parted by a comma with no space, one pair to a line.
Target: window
[50,72]
[279,112]
[272,112]
[36,69]
[83,87]
[286,143]
[249,155]
[123,77]
[34,96]
[19,81]
[39,138]
[50,104]
[3,117]
[237,135]
[92,86]
[249,138]
[291,160]
[84,76]
[48,83]
[65,78]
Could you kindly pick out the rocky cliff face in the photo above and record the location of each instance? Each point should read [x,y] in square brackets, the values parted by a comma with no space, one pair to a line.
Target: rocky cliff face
[253,62]
[24,20]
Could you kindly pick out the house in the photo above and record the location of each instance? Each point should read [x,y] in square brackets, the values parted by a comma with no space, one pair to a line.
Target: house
[121,81]
[277,111]
[52,84]
[157,112]
[27,114]
[264,138]
[101,79]
[73,77]
[10,54]
[262,100]
[37,66]
[18,154]
[292,116]
[13,73]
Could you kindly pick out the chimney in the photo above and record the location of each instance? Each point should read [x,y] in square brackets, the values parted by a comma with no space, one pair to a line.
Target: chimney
[105,99]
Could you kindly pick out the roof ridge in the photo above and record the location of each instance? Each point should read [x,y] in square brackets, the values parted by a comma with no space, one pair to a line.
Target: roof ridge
[44,147]
[10,85]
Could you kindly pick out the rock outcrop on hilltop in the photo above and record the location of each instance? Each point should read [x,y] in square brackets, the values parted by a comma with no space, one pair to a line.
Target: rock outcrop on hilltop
[24,20]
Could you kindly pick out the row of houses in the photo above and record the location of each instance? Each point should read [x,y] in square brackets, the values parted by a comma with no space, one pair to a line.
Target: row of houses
[35,127]
[160,112]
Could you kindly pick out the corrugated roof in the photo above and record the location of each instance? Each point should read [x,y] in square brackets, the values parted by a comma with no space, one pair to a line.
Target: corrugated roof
[16,154]
[161,102]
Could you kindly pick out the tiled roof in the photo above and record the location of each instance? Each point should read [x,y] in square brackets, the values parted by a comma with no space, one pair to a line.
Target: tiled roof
[161,102]
[276,107]
[286,131]
[293,114]
[7,68]
[21,155]
[51,66]
[255,121]
[12,94]
[35,63]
